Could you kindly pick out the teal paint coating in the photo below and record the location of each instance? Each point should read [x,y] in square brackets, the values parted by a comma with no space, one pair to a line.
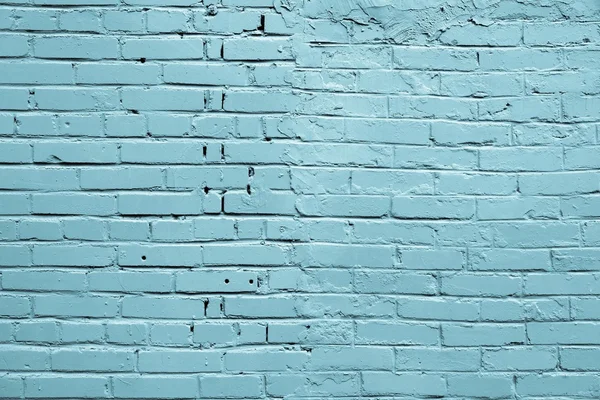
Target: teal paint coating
[267,199]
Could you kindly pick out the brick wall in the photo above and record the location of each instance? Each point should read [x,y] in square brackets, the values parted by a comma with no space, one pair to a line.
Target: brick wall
[261,199]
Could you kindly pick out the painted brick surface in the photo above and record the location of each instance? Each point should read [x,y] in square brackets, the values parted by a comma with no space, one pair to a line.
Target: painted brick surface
[299,199]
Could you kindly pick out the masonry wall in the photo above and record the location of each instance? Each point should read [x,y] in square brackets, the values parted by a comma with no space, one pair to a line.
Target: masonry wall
[299,199]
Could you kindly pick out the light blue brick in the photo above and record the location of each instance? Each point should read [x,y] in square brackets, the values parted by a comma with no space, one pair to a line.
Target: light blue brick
[39,179]
[227,386]
[80,125]
[125,333]
[73,255]
[160,255]
[165,387]
[75,306]
[23,359]
[168,20]
[75,47]
[169,124]
[126,281]
[37,332]
[311,332]
[181,361]
[163,307]
[8,230]
[558,385]
[163,49]
[521,359]
[92,359]
[356,358]
[80,21]
[491,386]
[438,309]
[433,359]
[13,306]
[40,229]
[43,280]
[15,153]
[87,153]
[15,255]
[81,332]
[85,387]
[483,334]
[396,333]
[388,383]
[123,20]
[160,204]
[172,231]
[129,230]
[41,73]
[220,281]
[170,335]
[84,229]
[274,360]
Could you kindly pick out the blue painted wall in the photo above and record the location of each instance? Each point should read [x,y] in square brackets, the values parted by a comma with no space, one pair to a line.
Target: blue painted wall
[260,199]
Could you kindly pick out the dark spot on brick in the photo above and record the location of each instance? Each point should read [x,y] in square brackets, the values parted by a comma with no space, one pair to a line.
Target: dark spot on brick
[143,60]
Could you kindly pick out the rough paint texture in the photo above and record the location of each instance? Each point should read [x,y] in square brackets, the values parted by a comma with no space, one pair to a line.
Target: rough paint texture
[248,199]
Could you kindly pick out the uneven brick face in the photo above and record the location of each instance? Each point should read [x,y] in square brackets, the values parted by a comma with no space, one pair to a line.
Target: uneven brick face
[252,199]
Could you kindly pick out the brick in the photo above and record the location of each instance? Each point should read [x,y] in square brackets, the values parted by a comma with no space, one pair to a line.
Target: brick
[161,49]
[75,306]
[482,334]
[85,387]
[434,359]
[179,361]
[557,385]
[257,49]
[95,360]
[218,386]
[39,179]
[321,384]
[161,307]
[73,255]
[396,333]
[43,281]
[520,359]
[165,387]
[388,383]
[40,229]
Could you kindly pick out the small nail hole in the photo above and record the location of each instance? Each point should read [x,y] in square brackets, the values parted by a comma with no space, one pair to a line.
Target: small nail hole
[144,258]
[251,281]
[226,280]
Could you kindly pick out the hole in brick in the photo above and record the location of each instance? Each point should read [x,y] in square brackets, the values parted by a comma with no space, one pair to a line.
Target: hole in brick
[507,104]
[267,139]
[442,9]
[307,326]
[191,328]
[226,281]
[206,189]
[248,189]
[250,171]
[206,302]
[251,281]
[136,112]
[223,100]
[204,151]
[143,258]
[149,134]
[222,152]
[222,50]
[261,27]
[143,60]
[222,204]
